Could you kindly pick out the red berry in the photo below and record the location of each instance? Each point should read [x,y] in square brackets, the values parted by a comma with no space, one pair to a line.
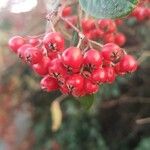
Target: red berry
[42,67]
[56,69]
[49,84]
[112,52]
[99,76]
[110,74]
[128,64]
[79,93]
[72,58]
[67,11]
[75,82]
[118,70]
[87,25]
[108,38]
[92,58]
[120,39]
[54,42]
[107,25]
[16,42]
[118,22]
[35,41]
[22,50]
[33,55]
[90,87]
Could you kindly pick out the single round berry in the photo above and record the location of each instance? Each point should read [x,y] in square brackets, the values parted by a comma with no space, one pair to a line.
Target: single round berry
[35,41]
[33,55]
[56,69]
[42,67]
[67,11]
[54,42]
[87,25]
[49,84]
[120,39]
[109,38]
[16,42]
[22,50]
[72,58]
[90,87]
[99,76]
[128,64]
[75,82]
[92,58]
[107,25]
[112,52]
[110,74]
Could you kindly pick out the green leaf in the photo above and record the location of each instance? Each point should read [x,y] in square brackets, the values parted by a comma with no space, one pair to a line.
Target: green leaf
[108,8]
[75,38]
[87,101]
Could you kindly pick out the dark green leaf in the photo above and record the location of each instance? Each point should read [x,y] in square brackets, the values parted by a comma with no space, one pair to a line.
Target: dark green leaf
[75,39]
[87,101]
[108,8]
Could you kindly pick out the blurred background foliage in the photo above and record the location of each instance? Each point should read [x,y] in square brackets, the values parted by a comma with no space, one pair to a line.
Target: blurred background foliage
[118,120]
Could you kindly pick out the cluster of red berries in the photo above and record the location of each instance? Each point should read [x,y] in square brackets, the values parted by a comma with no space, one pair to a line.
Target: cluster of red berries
[142,12]
[72,70]
[104,30]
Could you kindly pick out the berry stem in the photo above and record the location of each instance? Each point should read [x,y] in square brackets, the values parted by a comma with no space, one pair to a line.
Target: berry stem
[96,43]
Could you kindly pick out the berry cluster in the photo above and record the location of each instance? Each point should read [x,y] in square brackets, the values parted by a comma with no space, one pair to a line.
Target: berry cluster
[104,30]
[142,12]
[72,70]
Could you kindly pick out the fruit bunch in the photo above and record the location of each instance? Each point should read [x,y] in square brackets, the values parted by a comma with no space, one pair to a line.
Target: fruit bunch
[142,12]
[104,30]
[72,70]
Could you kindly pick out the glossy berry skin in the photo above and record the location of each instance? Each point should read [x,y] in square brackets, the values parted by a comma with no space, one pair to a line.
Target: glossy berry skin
[54,42]
[90,87]
[16,42]
[67,11]
[35,42]
[110,74]
[92,58]
[56,69]
[22,50]
[72,58]
[128,64]
[112,52]
[109,38]
[120,39]
[33,55]
[118,69]
[42,67]
[49,84]
[99,76]
[107,25]
[75,82]
[87,25]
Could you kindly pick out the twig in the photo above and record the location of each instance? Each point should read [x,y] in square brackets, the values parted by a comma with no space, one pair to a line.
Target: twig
[143,121]
[61,98]
[96,43]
